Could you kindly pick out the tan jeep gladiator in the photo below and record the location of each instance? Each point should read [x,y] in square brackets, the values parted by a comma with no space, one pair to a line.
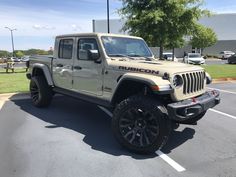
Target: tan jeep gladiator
[119,72]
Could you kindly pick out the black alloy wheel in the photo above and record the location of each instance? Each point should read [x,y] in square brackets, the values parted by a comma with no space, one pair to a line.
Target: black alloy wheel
[41,93]
[141,124]
[139,127]
[34,92]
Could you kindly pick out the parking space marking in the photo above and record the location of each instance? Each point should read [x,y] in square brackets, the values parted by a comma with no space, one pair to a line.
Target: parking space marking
[2,101]
[226,91]
[163,156]
[106,111]
[170,161]
[1,104]
[222,113]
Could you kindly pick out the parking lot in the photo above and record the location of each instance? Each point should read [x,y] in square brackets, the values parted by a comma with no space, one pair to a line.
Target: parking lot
[73,138]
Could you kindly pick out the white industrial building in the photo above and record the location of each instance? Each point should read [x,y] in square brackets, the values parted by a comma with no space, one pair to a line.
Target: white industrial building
[224,26]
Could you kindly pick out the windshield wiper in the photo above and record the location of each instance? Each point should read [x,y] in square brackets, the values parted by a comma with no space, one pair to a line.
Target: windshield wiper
[130,56]
[121,55]
[146,58]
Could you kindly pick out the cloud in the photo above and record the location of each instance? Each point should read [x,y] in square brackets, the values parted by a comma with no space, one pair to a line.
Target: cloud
[76,27]
[225,9]
[44,23]
[41,27]
[37,27]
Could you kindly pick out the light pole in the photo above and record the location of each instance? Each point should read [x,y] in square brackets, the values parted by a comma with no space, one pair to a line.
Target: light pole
[12,41]
[108,17]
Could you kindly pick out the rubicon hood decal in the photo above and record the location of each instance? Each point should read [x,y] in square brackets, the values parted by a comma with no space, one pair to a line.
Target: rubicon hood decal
[149,71]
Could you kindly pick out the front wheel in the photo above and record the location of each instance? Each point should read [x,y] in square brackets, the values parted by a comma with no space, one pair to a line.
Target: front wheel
[141,124]
[40,92]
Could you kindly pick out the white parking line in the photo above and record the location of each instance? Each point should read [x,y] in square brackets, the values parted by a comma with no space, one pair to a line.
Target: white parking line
[163,156]
[170,161]
[222,113]
[1,104]
[3,99]
[106,111]
[226,91]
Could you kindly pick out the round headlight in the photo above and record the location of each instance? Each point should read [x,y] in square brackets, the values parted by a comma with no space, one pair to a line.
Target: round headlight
[177,81]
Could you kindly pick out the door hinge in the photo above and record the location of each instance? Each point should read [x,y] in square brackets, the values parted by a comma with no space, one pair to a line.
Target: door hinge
[72,82]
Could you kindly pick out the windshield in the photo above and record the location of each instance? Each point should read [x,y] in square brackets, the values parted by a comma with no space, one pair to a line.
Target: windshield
[121,47]
[194,56]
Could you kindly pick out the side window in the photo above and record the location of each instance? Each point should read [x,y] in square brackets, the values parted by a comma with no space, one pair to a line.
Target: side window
[84,45]
[65,48]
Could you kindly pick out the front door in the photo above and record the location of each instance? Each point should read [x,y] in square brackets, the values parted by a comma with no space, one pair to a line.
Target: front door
[87,74]
[63,62]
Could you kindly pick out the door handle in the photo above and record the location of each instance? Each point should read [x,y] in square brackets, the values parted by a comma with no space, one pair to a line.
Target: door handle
[60,65]
[77,67]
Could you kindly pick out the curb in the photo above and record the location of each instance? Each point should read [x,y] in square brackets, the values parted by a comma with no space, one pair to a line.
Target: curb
[224,80]
[14,96]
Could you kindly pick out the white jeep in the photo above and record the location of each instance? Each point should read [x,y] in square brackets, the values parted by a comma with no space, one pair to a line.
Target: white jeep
[119,72]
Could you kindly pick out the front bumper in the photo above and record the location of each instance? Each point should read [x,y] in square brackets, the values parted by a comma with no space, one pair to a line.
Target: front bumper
[190,108]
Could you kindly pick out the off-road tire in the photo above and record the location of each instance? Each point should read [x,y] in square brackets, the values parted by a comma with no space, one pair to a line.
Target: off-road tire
[194,119]
[141,124]
[40,92]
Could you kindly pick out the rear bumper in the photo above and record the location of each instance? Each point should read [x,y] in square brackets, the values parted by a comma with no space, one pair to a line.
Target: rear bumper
[190,108]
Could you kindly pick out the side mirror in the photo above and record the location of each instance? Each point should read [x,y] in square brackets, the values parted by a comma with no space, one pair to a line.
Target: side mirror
[94,55]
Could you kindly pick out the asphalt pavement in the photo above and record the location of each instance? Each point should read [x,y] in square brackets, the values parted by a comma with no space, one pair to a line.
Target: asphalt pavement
[73,138]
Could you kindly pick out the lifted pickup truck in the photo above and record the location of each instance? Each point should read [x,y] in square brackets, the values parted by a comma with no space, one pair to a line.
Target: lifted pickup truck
[147,96]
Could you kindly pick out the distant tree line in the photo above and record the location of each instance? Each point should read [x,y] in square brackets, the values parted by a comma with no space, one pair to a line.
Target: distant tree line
[21,53]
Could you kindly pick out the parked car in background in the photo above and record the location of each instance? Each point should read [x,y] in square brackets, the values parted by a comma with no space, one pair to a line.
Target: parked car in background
[194,58]
[225,54]
[14,59]
[25,59]
[232,59]
[169,56]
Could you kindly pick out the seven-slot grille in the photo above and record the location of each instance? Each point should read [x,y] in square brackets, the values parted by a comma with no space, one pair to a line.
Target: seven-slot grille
[193,82]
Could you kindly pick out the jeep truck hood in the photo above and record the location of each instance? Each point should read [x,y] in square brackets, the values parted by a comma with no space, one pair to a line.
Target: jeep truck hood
[152,67]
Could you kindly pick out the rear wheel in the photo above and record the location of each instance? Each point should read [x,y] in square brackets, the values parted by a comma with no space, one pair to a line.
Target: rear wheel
[41,93]
[141,124]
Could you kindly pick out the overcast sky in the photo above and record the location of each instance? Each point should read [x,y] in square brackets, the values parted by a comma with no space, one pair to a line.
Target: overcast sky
[38,22]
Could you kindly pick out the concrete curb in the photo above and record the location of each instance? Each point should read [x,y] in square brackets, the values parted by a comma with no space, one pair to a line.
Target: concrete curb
[224,80]
[14,96]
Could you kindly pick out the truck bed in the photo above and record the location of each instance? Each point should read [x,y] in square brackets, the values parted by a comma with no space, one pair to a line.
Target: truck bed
[42,59]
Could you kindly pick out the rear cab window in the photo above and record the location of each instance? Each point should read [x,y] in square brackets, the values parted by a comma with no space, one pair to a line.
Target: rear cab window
[65,49]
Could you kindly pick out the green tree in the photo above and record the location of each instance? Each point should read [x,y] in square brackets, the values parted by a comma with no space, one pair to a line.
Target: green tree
[203,37]
[162,22]
[19,54]
[4,53]
[36,52]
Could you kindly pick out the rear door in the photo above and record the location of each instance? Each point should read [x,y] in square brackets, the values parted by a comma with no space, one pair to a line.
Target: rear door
[63,62]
